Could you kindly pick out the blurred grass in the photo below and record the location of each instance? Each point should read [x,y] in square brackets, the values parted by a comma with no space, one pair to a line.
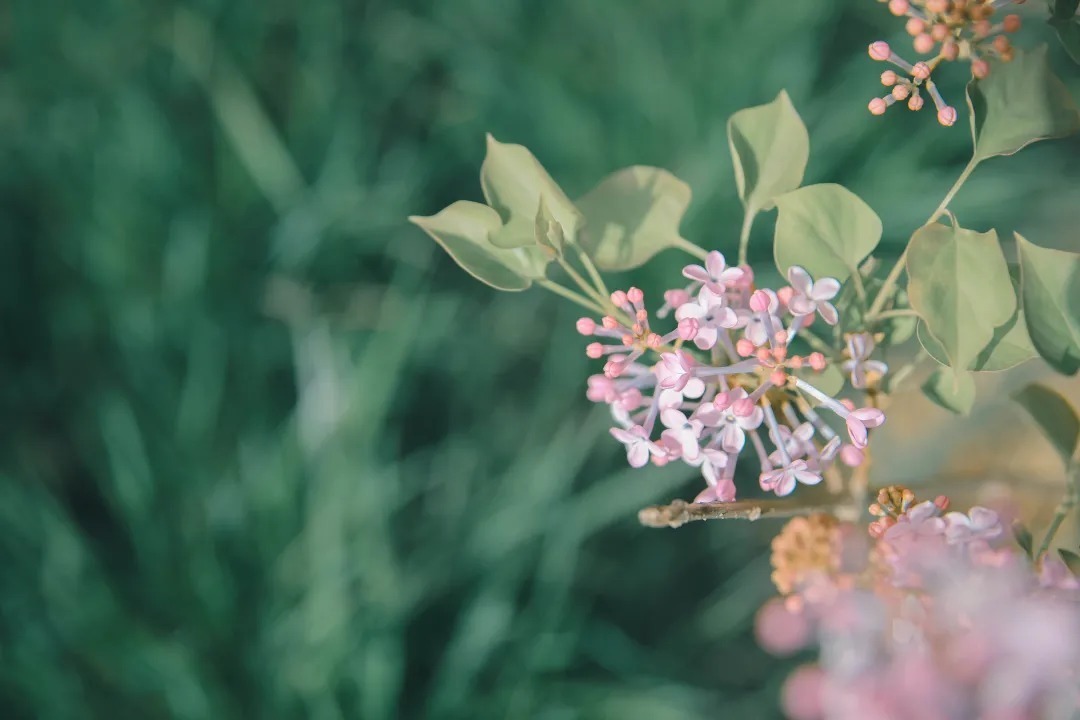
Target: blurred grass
[268,453]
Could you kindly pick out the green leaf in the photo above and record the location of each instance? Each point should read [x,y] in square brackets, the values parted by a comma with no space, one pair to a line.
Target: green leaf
[826,229]
[958,283]
[1064,9]
[1023,538]
[769,149]
[631,215]
[1071,560]
[829,381]
[464,230]
[1020,102]
[514,183]
[1051,288]
[1068,32]
[952,390]
[549,233]
[1055,416]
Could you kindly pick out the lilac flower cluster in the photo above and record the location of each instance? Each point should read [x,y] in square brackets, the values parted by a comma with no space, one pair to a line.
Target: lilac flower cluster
[701,405]
[938,615]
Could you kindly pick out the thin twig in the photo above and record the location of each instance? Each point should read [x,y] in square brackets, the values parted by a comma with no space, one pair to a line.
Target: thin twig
[680,512]
[1072,496]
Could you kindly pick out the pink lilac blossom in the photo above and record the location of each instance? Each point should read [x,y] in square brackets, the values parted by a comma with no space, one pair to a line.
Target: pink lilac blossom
[943,618]
[722,376]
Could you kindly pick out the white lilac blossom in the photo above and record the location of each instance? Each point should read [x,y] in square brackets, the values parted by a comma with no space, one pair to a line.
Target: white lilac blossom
[723,376]
[859,367]
[936,615]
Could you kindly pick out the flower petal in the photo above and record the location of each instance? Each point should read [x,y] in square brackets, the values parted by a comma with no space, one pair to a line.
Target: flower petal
[800,280]
[825,289]
[828,312]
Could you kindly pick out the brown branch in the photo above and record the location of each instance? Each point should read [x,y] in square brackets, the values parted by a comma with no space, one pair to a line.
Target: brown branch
[680,512]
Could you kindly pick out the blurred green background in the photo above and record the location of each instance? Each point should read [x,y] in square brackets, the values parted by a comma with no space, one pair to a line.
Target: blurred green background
[268,453]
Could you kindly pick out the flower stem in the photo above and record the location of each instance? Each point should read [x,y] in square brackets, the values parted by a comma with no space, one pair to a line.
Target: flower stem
[890,281]
[690,248]
[1072,496]
[897,312]
[744,236]
[589,290]
[593,272]
[680,512]
[572,296]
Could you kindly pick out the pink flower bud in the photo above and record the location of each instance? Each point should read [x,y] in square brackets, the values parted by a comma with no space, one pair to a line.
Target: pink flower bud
[1011,23]
[586,326]
[642,315]
[921,71]
[759,301]
[594,350]
[636,329]
[763,354]
[877,106]
[785,294]
[744,347]
[780,631]
[795,362]
[914,26]
[778,377]
[950,50]
[609,322]
[915,103]
[780,338]
[628,339]
[848,404]
[675,298]
[937,6]
[688,328]
[888,78]
[779,352]
[803,694]
[982,28]
[939,32]
[898,7]
[614,367]
[880,50]
[900,92]
[851,456]
[653,340]
[942,502]
[946,115]
[817,361]
[923,43]
[618,298]
[635,295]
[980,69]
[743,407]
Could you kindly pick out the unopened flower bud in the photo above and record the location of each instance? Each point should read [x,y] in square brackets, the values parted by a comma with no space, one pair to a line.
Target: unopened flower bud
[817,361]
[950,50]
[900,92]
[914,26]
[877,106]
[947,115]
[915,103]
[778,377]
[609,322]
[744,347]
[586,326]
[888,78]
[1001,43]
[763,354]
[939,32]
[618,298]
[1011,23]
[675,298]
[880,51]
[937,6]
[594,350]
[981,28]
[795,362]
[635,295]
[614,367]
[899,7]
[980,69]
[780,351]
[921,71]
[628,339]
[942,502]
[759,301]
[923,43]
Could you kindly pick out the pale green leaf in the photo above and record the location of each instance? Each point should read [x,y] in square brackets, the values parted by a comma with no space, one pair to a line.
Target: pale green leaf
[1023,537]
[514,182]
[1019,103]
[958,283]
[826,229]
[1068,32]
[1071,560]
[1051,287]
[829,381]
[464,230]
[631,215]
[769,148]
[950,389]
[1055,417]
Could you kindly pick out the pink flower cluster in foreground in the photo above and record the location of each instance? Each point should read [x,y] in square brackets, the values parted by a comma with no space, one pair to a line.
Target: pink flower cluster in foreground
[725,376]
[935,615]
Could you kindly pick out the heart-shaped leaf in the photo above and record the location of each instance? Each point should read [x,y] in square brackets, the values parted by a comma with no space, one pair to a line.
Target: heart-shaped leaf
[1055,416]
[826,229]
[514,183]
[464,230]
[1051,287]
[769,148]
[631,215]
[951,389]
[1018,103]
[958,283]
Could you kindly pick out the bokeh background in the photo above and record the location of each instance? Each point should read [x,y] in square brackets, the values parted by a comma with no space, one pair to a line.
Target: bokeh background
[268,453]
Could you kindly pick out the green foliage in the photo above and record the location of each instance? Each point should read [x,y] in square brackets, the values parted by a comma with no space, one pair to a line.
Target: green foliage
[769,148]
[1051,288]
[953,390]
[826,229]
[1023,538]
[1071,560]
[1054,415]
[1019,103]
[631,215]
[959,285]
[465,230]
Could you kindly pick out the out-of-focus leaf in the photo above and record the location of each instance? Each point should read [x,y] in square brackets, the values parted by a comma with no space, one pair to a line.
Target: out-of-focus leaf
[769,149]
[1051,288]
[1068,32]
[1055,416]
[826,229]
[464,230]
[1023,537]
[829,381]
[951,389]
[959,284]
[631,215]
[514,183]
[1018,103]
[1071,560]
[1063,9]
